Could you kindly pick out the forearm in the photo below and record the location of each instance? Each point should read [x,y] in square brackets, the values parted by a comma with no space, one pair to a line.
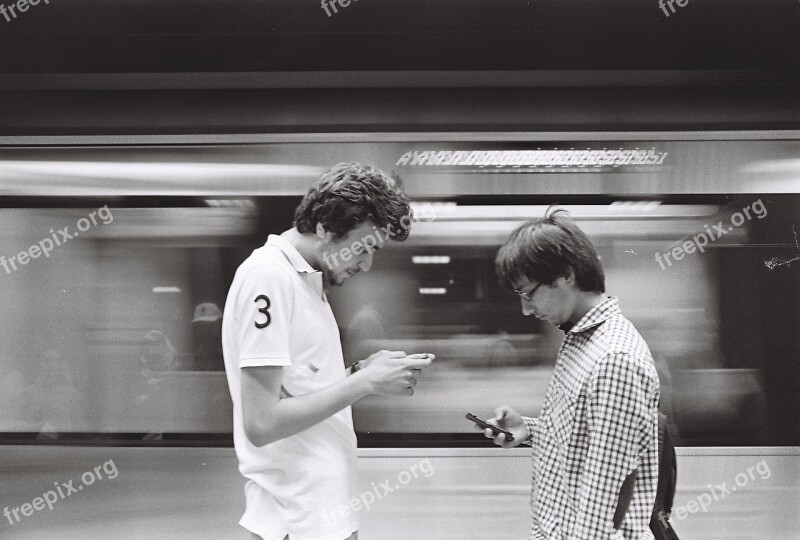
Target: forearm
[292,415]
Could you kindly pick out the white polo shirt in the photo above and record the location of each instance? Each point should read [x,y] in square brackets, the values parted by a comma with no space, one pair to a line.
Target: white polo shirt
[276,314]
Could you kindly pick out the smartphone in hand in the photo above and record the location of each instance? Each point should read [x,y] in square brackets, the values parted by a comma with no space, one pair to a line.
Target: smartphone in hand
[484,424]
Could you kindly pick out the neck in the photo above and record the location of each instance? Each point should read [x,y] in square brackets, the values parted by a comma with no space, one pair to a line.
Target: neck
[585,303]
[305,244]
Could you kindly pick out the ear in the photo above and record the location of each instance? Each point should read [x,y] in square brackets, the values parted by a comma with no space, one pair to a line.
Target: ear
[322,232]
[569,277]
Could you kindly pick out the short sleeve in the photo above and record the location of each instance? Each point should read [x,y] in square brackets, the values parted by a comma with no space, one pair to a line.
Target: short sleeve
[263,316]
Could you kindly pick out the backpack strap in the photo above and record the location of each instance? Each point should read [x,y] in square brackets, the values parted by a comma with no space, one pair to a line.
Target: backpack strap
[667,475]
[625,497]
[667,468]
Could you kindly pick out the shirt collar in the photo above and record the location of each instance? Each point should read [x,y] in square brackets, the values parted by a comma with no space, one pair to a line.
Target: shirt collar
[598,314]
[294,257]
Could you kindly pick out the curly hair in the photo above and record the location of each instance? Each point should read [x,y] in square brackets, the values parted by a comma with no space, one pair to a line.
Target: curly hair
[544,249]
[349,194]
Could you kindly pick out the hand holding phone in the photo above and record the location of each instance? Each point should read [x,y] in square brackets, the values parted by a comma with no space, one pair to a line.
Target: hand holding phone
[393,373]
[486,425]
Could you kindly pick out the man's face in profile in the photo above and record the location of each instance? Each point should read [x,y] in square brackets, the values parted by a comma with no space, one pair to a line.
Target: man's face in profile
[352,254]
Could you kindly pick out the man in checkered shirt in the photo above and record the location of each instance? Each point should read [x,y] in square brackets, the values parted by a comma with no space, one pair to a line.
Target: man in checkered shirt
[599,422]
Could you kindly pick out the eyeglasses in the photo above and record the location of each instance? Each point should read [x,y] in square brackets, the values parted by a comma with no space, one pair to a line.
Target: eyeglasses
[528,295]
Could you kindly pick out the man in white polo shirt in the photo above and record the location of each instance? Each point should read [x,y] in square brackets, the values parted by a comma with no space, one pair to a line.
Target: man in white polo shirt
[292,424]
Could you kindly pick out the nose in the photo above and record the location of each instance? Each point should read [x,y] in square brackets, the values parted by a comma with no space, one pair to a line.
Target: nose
[527,307]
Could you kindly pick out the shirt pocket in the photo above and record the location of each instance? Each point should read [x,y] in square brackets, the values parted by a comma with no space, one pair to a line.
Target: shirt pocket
[561,417]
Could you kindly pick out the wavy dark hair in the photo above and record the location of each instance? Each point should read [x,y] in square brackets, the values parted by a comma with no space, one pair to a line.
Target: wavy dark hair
[544,250]
[349,194]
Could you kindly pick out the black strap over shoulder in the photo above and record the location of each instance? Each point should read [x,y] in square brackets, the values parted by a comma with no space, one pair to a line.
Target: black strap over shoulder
[667,479]
[625,497]
[667,468]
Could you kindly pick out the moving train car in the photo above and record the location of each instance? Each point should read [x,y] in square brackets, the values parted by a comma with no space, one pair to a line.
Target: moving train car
[111,354]
[147,147]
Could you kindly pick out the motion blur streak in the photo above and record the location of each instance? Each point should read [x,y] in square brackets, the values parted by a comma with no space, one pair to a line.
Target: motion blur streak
[115,338]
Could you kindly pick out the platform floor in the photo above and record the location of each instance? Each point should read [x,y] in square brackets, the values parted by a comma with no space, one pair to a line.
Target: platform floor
[479,494]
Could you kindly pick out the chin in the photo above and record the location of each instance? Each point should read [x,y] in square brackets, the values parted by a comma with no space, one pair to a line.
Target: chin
[336,281]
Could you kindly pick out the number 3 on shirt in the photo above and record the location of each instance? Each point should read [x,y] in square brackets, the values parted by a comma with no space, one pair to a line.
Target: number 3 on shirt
[264,310]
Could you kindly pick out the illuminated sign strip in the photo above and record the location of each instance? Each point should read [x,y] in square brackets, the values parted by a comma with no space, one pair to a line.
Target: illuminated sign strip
[532,158]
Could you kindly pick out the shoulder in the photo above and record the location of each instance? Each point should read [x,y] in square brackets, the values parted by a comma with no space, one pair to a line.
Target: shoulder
[618,370]
[264,262]
[624,351]
[264,275]
[618,336]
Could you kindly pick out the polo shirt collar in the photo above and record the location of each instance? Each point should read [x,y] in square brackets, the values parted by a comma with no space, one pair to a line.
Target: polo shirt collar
[598,314]
[294,257]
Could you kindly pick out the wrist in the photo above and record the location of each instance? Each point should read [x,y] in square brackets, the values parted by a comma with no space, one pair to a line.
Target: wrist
[357,366]
[529,428]
[361,383]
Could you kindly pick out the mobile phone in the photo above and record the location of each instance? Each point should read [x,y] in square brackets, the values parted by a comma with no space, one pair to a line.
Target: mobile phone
[484,424]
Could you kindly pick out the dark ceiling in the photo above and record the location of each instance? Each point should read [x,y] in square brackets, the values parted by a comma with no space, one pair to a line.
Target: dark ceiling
[201,36]
[175,66]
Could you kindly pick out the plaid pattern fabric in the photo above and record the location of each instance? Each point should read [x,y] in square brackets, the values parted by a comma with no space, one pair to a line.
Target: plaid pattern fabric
[599,423]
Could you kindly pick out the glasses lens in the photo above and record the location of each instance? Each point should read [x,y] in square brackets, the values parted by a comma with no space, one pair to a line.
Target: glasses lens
[528,295]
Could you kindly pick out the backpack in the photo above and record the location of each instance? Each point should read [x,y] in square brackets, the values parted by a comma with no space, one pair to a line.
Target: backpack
[665,492]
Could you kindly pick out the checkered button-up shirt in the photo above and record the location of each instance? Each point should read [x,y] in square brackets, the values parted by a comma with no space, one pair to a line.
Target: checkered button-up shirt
[598,424]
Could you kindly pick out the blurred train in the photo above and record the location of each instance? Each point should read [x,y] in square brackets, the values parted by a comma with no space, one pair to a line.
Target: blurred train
[122,255]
